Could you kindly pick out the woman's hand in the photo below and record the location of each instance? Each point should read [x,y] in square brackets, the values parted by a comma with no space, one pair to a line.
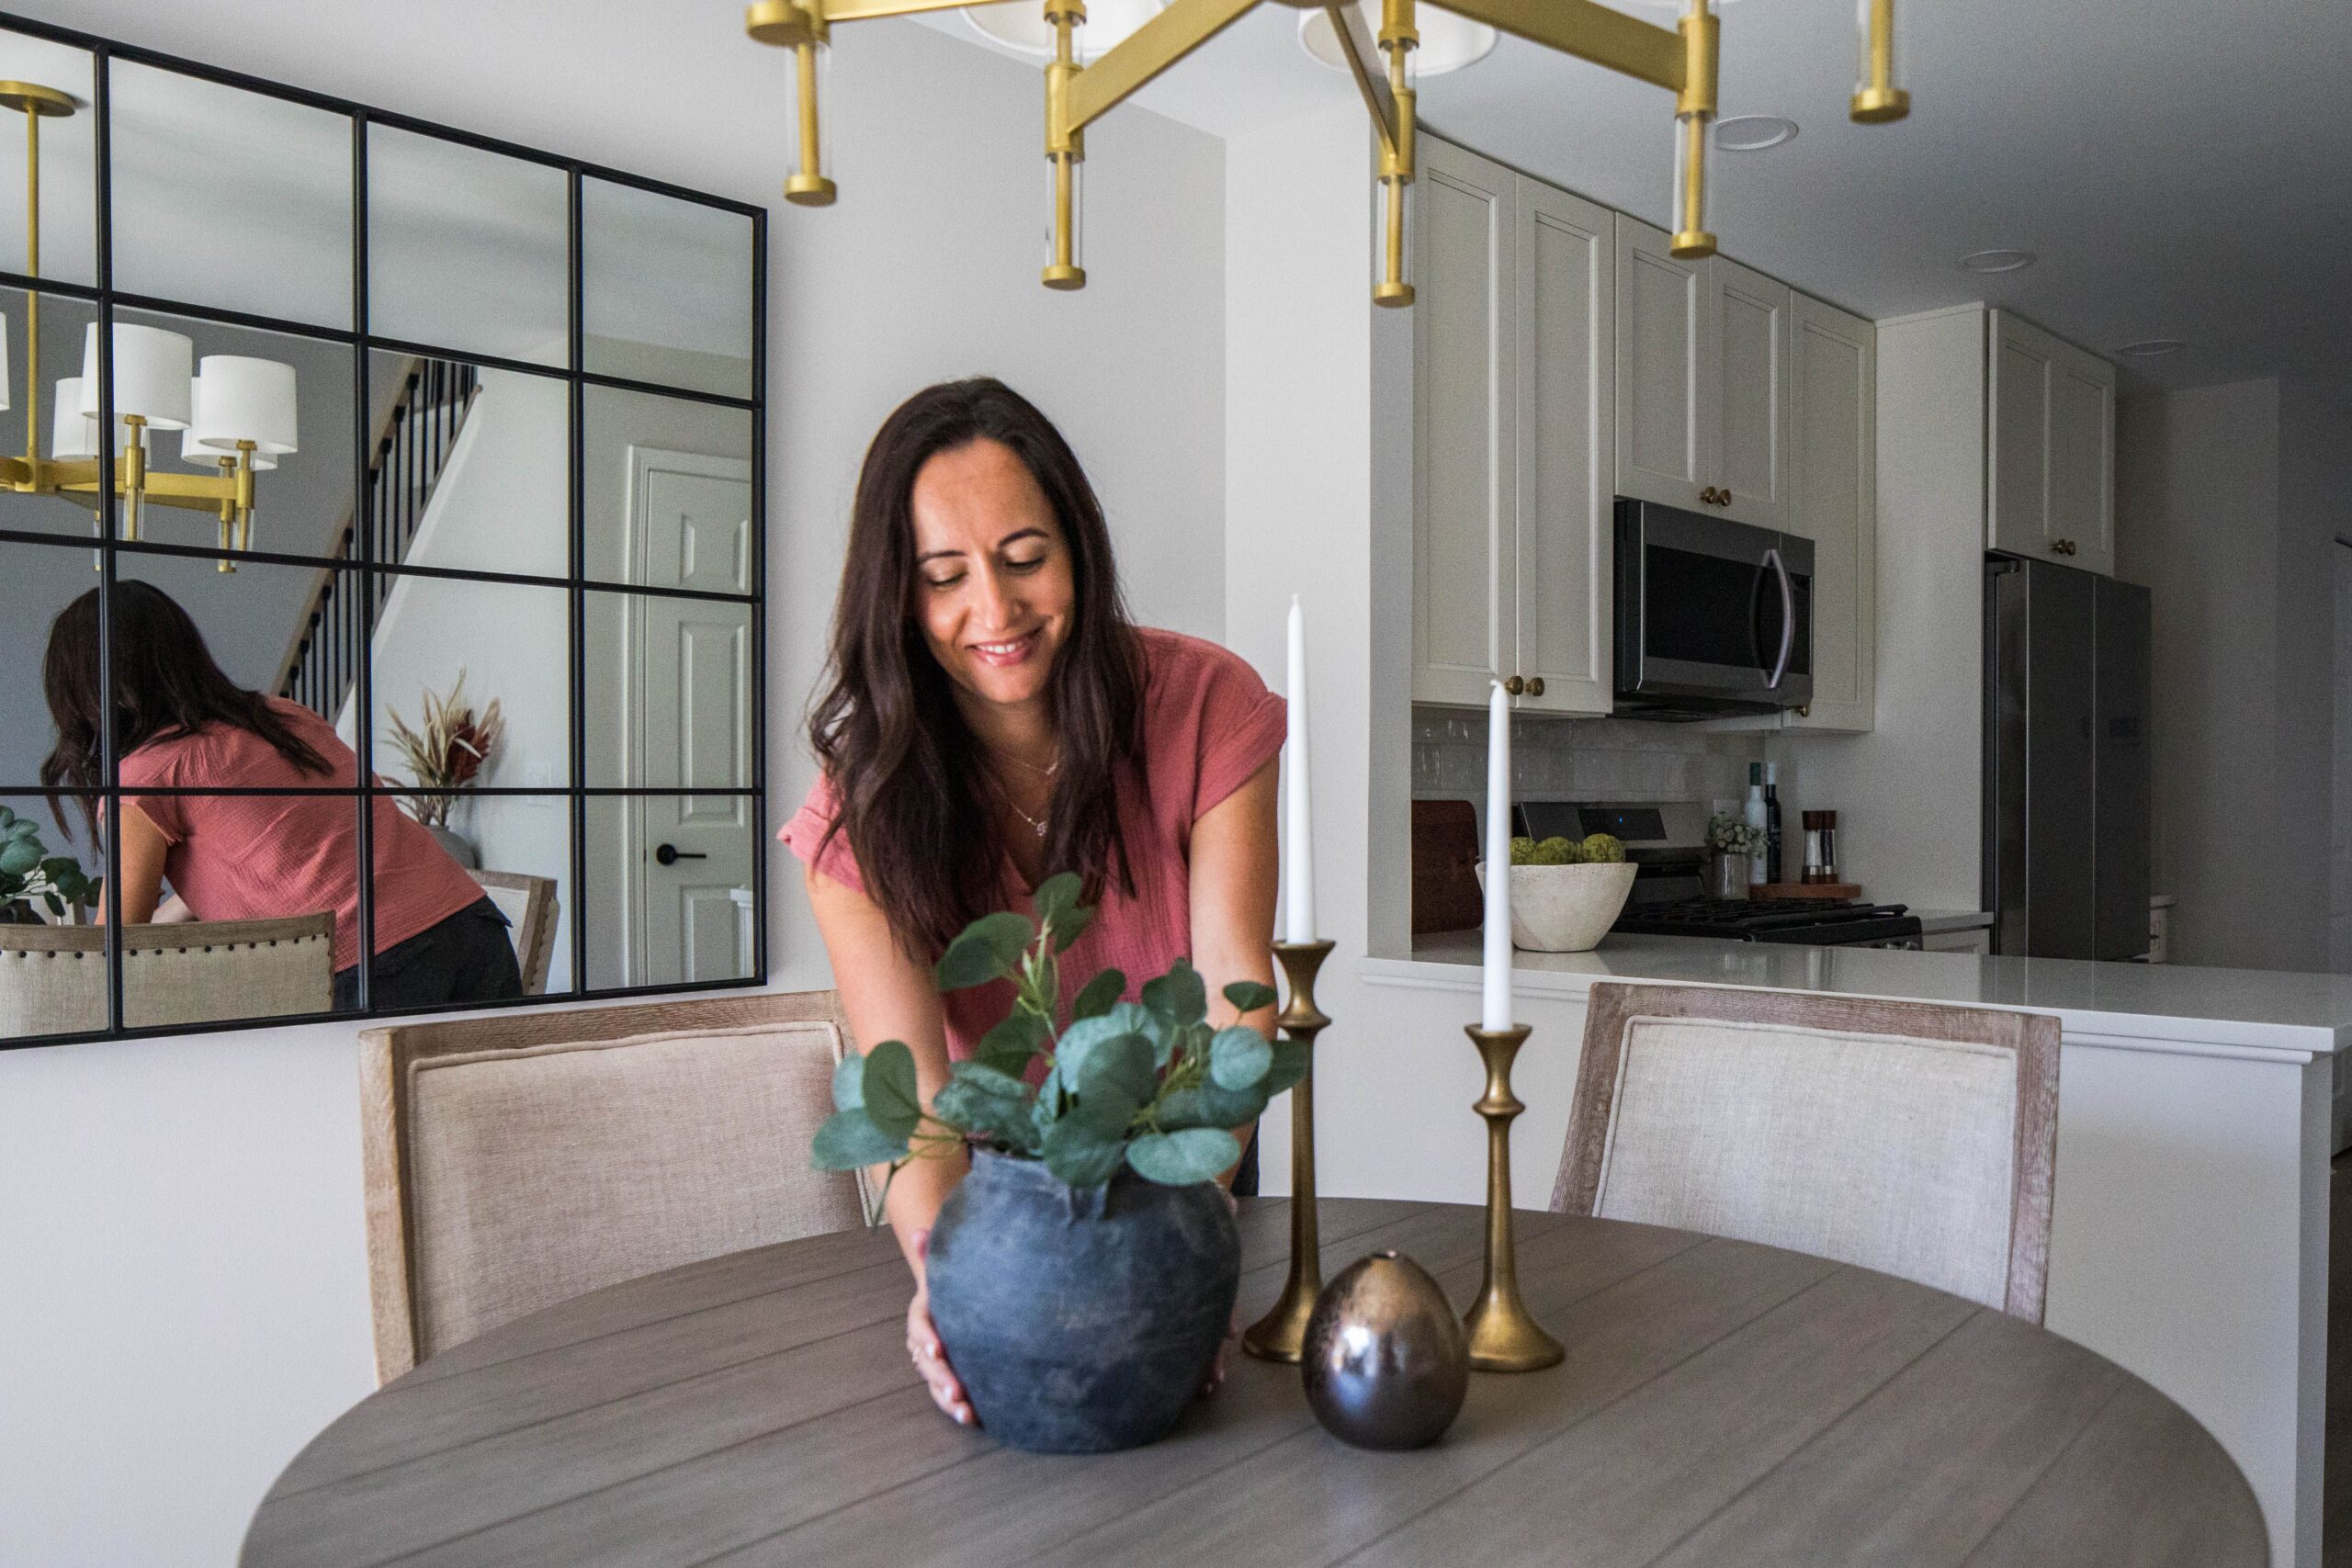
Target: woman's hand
[931,1357]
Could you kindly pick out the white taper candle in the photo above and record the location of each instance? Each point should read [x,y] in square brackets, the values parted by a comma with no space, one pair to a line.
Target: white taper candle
[1496,1013]
[1298,835]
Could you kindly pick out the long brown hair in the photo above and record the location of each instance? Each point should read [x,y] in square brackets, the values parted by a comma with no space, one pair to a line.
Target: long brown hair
[165,684]
[887,729]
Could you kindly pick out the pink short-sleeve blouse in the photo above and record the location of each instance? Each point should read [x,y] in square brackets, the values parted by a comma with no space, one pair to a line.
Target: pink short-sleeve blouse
[1209,724]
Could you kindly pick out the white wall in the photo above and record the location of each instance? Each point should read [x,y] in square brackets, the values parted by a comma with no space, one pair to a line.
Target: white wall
[183,1303]
[1908,794]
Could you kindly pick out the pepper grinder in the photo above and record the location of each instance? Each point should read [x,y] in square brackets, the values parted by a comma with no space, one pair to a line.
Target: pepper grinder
[1821,846]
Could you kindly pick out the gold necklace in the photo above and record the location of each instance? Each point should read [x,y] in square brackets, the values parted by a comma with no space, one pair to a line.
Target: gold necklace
[1036,824]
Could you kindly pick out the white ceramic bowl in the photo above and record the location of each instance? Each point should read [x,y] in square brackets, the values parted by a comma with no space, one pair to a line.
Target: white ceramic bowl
[1564,908]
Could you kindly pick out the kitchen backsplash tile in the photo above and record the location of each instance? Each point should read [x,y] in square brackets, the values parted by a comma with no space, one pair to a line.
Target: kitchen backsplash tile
[1581,758]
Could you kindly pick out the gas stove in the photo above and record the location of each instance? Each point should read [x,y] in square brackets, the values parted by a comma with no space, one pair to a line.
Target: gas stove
[1667,843]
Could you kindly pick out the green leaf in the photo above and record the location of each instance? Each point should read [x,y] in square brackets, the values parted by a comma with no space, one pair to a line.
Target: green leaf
[1115,1082]
[1060,911]
[1209,1105]
[849,1139]
[1181,995]
[1101,992]
[1078,1041]
[1238,1058]
[1290,1061]
[19,856]
[888,1091]
[1009,1046]
[987,949]
[1249,995]
[849,1083]
[1181,1159]
[982,1100]
[1078,1156]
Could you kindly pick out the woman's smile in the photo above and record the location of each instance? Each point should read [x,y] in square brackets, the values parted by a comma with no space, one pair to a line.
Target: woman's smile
[1004,655]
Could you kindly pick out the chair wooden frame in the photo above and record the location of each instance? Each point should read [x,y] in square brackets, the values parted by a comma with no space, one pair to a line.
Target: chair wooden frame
[388,1055]
[2031,1038]
[535,941]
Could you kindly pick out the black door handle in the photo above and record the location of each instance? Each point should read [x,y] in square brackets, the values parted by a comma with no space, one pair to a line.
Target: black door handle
[670,854]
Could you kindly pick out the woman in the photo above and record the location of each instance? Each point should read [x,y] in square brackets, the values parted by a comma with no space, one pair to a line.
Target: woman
[994,718]
[181,724]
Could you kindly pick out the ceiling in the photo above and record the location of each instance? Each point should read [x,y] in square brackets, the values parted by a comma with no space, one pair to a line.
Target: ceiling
[2183,168]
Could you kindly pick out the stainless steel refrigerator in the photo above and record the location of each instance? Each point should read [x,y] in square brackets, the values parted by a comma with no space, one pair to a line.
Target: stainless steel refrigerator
[2066,760]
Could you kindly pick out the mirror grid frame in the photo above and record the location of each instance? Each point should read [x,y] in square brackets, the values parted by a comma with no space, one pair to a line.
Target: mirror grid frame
[362,565]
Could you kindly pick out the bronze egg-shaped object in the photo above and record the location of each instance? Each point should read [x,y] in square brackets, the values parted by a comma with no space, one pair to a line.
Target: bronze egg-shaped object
[1386,1362]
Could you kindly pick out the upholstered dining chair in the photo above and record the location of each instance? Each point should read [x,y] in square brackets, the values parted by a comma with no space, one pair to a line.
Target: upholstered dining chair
[530,906]
[516,1159]
[1910,1137]
[53,978]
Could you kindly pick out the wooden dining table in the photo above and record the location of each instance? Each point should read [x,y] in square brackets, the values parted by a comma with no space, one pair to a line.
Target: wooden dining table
[1721,1404]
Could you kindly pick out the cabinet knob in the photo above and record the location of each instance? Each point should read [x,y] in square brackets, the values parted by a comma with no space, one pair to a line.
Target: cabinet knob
[1514,685]
[1536,685]
[1711,496]
[2062,547]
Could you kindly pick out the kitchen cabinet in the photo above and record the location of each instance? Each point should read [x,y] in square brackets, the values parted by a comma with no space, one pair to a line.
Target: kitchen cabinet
[1833,463]
[2051,459]
[1702,381]
[1513,514]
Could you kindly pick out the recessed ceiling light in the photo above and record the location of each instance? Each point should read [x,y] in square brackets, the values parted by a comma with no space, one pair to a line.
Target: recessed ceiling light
[1753,132]
[1998,261]
[2153,347]
[1448,42]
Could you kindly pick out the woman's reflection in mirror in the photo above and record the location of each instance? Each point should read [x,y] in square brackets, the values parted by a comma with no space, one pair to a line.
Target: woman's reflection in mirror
[184,730]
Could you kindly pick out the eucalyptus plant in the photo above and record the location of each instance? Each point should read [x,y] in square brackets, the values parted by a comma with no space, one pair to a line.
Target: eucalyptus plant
[30,873]
[1146,1085]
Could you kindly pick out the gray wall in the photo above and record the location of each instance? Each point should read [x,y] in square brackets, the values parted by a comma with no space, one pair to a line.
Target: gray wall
[2228,499]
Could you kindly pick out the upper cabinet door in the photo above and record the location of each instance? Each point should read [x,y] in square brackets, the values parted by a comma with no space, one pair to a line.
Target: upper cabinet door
[1833,423]
[2082,459]
[1565,321]
[1465,435]
[2052,421]
[2023,362]
[1666,355]
[1751,382]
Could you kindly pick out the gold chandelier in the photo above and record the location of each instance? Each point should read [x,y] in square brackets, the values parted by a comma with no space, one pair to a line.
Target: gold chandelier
[1681,60]
[235,414]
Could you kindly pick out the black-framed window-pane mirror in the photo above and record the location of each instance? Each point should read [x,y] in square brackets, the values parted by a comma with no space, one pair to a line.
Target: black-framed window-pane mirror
[399,647]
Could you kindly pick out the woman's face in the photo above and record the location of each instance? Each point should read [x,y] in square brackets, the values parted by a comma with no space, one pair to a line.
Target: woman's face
[993,587]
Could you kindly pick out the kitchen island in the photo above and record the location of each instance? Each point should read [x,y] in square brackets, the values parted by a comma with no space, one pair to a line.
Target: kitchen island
[2190,1233]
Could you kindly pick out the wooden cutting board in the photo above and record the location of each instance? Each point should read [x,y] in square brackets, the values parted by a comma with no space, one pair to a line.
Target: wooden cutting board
[1446,897]
[1847,890]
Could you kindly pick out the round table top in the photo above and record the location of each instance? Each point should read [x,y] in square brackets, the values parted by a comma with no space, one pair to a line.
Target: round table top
[1721,1404]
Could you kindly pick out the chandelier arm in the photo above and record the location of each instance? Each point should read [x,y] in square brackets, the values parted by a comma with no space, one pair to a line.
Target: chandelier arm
[833,11]
[1151,49]
[1589,32]
[1356,43]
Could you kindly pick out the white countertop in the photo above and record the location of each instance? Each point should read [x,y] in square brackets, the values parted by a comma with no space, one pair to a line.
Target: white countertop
[2251,1010]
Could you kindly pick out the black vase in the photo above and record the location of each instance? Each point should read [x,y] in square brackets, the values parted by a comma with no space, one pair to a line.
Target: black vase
[1080,1322]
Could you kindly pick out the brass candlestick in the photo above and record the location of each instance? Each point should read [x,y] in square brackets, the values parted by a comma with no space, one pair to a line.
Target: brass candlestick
[1503,1337]
[1282,1333]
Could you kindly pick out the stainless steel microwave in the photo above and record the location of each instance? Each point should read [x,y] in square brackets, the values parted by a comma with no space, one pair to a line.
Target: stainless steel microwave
[1714,616]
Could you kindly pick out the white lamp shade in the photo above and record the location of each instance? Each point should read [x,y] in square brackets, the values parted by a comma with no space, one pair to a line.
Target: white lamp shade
[193,453]
[73,434]
[1021,26]
[151,373]
[1448,42]
[238,398]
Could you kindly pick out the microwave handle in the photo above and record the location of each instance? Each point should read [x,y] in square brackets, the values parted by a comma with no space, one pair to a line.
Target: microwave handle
[1788,620]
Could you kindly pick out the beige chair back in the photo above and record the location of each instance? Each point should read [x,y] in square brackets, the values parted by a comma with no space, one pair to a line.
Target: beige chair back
[530,906]
[518,1159]
[1907,1137]
[53,978]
